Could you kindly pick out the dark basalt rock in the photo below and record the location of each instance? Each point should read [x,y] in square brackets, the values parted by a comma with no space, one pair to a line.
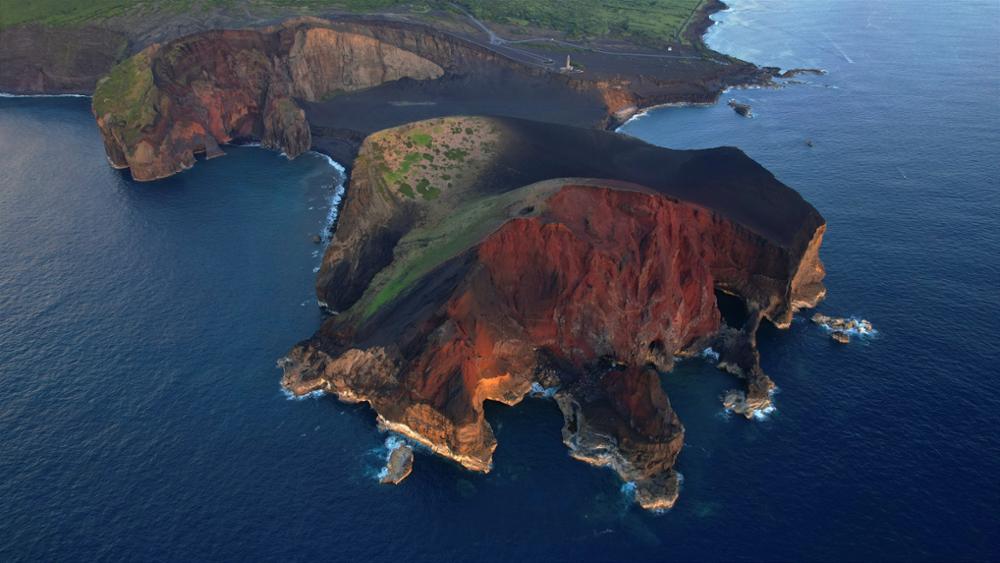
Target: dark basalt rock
[793,72]
[398,466]
[743,110]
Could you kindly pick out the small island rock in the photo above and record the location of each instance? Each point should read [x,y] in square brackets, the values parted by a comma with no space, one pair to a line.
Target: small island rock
[398,466]
[740,108]
[841,328]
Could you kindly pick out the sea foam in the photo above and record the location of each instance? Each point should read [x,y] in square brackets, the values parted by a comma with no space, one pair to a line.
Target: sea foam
[310,395]
[9,95]
[391,444]
[537,390]
[337,197]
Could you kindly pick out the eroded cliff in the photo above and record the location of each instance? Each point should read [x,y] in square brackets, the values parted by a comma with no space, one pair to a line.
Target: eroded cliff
[486,259]
[160,108]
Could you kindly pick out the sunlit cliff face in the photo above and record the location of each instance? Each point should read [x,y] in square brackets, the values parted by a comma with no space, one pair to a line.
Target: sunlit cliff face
[471,291]
[160,108]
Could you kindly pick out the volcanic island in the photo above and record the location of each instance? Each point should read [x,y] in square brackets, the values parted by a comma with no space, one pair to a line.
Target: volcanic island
[497,239]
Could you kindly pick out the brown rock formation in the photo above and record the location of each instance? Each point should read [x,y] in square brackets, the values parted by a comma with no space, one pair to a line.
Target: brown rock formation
[398,465]
[490,288]
[171,102]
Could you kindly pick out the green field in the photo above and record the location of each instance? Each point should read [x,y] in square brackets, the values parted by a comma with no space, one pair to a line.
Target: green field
[79,12]
[640,20]
[643,21]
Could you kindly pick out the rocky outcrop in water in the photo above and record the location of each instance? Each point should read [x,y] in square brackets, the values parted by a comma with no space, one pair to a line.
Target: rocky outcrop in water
[793,72]
[398,465]
[841,329]
[489,259]
[743,110]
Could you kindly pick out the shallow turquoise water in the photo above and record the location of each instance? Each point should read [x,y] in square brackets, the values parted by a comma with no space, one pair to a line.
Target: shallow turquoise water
[140,323]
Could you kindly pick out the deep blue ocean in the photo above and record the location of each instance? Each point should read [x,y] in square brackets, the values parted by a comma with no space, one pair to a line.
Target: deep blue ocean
[141,416]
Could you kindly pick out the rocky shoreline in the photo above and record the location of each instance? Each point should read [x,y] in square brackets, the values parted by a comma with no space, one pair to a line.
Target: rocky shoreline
[485,279]
[485,258]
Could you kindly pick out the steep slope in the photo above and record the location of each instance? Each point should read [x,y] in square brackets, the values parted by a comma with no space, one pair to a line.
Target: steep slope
[159,108]
[486,259]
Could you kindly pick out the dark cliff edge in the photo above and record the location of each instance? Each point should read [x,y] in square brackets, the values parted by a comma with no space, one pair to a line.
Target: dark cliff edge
[495,258]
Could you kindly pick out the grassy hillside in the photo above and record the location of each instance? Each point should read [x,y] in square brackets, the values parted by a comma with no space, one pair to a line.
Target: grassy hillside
[640,20]
[128,96]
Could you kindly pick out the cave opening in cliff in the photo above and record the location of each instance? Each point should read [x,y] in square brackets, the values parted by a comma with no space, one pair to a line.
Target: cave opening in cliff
[733,308]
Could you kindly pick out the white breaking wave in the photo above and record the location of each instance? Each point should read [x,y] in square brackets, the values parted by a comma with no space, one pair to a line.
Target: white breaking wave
[647,110]
[537,390]
[710,354]
[338,196]
[628,489]
[310,395]
[764,413]
[9,95]
[634,117]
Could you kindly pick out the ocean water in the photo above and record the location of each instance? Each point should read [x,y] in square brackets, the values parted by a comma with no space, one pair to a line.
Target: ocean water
[141,416]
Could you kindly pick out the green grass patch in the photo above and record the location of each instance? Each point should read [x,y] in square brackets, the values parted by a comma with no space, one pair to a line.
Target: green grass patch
[651,22]
[421,139]
[430,246]
[643,21]
[129,96]
[457,155]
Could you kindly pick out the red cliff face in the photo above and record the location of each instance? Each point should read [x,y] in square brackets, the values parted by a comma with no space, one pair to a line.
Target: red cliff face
[171,102]
[589,296]
[570,287]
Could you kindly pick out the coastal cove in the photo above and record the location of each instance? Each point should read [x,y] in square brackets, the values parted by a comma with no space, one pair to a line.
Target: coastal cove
[141,323]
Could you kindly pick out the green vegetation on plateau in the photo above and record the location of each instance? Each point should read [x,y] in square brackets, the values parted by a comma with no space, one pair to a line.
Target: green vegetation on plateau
[435,165]
[79,12]
[643,21]
[425,248]
[420,162]
[129,96]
